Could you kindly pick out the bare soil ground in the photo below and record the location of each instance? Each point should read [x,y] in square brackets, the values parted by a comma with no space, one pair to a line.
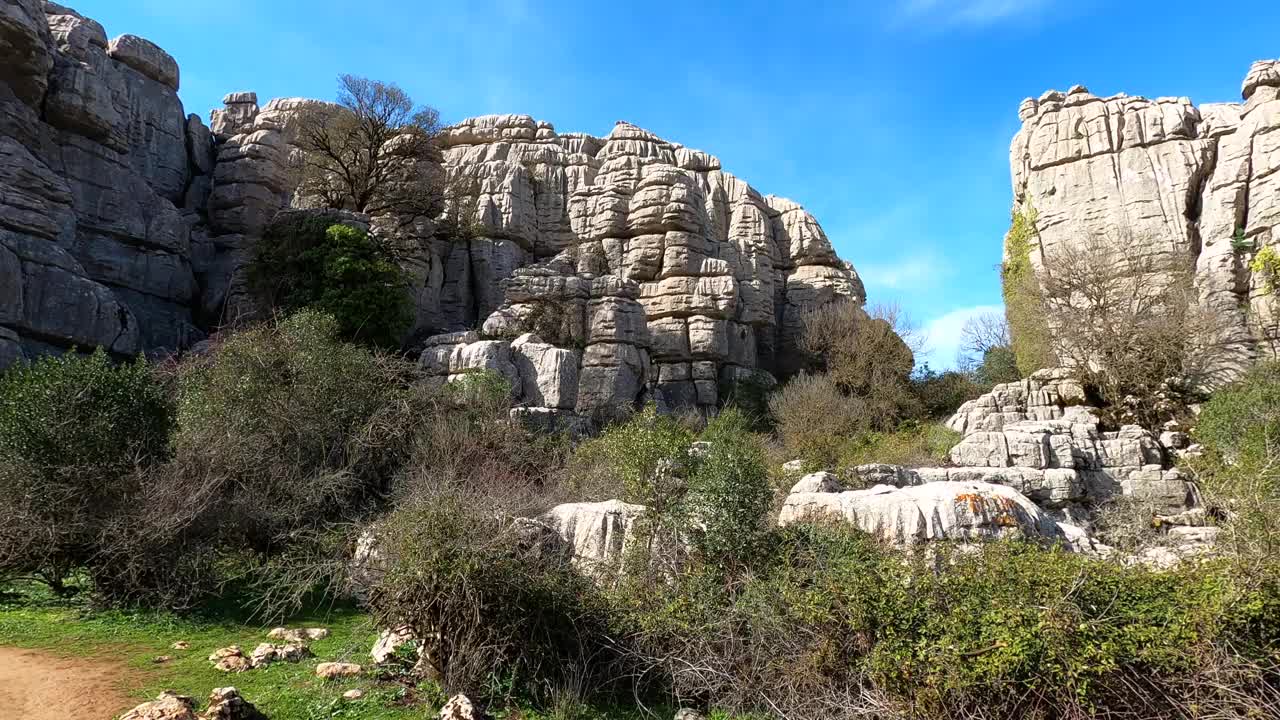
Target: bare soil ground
[37,685]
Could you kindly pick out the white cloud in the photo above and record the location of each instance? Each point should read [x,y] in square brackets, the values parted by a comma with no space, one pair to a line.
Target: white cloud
[942,335]
[904,274]
[945,13]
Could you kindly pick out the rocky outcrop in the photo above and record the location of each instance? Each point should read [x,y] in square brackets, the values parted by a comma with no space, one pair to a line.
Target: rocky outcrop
[598,533]
[933,511]
[663,275]
[96,159]
[1170,183]
[645,271]
[1037,436]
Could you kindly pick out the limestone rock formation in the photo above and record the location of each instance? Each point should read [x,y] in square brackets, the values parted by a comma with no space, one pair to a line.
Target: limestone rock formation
[664,276]
[1036,436]
[96,158]
[643,269]
[933,511]
[599,533]
[1175,184]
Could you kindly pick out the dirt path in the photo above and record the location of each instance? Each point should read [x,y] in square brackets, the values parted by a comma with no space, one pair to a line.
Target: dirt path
[39,686]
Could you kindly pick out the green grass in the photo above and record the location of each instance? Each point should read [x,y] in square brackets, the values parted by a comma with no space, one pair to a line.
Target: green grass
[31,619]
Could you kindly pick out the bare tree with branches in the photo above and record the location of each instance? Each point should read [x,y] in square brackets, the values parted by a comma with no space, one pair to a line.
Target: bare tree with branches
[374,152]
[1131,326]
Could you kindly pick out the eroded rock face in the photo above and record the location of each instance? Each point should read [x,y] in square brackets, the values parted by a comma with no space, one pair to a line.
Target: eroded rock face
[96,157]
[646,270]
[1035,436]
[932,511]
[1171,183]
[599,533]
[664,275]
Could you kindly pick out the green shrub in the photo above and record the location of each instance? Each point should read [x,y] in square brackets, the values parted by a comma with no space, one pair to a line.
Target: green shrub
[1239,471]
[941,394]
[1023,299]
[730,492]
[999,365]
[1267,264]
[834,626]
[83,411]
[307,261]
[286,434]
[72,431]
[911,445]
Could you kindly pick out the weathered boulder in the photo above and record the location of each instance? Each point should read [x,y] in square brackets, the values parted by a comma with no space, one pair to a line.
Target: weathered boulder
[227,704]
[599,533]
[460,707]
[933,511]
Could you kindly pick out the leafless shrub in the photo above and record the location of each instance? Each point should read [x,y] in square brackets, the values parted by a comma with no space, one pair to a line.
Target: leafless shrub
[1131,327]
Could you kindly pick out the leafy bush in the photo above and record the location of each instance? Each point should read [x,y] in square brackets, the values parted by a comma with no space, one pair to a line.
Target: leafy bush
[730,492]
[72,430]
[1023,297]
[1267,264]
[941,394]
[84,412]
[834,626]
[285,435]
[1240,470]
[999,365]
[911,445]
[487,596]
[309,261]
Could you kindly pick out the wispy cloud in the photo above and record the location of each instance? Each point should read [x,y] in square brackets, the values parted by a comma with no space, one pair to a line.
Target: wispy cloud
[904,274]
[942,335]
[971,13]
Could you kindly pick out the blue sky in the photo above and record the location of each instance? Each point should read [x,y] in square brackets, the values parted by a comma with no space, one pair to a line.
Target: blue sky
[890,121]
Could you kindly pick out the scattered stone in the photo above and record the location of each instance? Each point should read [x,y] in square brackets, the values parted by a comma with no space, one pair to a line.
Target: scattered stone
[334,670]
[227,704]
[689,714]
[792,468]
[460,707]
[161,659]
[231,659]
[354,694]
[167,706]
[266,653]
[298,635]
[182,645]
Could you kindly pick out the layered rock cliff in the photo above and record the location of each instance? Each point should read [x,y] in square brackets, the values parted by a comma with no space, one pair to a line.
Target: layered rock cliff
[96,161]
[1165,180]
[645,270]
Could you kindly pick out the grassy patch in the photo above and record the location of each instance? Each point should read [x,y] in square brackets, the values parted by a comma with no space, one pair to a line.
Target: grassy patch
[283,691]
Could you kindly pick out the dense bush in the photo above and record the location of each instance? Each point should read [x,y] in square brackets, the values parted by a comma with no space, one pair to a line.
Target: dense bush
[72,431]
[867,356]
[309,261]
[942,393]
[1239,471]
[913,444]
[730,493]
[489,599]
[833,626]
[85,412]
